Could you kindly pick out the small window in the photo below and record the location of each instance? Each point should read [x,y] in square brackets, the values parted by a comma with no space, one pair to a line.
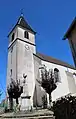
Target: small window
[11,72]
[26,35]
[13,36]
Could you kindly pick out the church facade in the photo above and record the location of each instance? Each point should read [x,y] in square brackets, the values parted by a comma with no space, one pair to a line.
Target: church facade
[23,59]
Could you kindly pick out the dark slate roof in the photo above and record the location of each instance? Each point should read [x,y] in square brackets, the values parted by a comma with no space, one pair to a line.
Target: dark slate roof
[72,26]
[53,60]
[22,23]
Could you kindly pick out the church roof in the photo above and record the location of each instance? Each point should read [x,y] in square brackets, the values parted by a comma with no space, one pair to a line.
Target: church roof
[22,23]
[72,26]
[53,60]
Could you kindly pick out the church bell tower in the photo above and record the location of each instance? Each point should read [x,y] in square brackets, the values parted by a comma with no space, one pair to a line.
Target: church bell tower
[20,54]
[71,36]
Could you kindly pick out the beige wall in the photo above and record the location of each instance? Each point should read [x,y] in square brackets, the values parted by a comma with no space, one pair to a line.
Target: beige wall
[15,31]
[37,97]
[25,64]
[21,35]
[22,58]
[73,35]
[72,42]
[11,63]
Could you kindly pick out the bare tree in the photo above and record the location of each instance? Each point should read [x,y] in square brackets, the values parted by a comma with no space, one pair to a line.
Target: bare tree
[14,91]
[49,80]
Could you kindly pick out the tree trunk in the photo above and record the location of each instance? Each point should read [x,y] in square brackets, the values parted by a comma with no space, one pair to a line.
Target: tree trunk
[11,103]
[17,101]
[50,100]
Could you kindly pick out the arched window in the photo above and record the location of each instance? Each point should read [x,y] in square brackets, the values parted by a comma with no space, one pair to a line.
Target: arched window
[26,35]
[13,36]
[56,75]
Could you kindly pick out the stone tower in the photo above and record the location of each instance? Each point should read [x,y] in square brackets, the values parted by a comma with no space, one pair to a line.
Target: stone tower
[20,54]
[71,36]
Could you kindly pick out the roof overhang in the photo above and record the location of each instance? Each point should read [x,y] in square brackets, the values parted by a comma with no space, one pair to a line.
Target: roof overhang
[70,29]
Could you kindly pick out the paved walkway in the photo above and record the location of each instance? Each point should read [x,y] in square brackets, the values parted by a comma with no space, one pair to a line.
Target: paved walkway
[36,114]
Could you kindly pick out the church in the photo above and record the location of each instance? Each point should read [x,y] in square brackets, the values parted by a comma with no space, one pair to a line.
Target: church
[24,60]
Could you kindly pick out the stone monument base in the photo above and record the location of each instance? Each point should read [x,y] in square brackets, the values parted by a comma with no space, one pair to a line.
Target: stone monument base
[25,103]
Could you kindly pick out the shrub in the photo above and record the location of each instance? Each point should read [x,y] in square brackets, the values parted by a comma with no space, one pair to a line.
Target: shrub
[65,108]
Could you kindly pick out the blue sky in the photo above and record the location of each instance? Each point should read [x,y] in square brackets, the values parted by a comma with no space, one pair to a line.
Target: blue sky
[49,18]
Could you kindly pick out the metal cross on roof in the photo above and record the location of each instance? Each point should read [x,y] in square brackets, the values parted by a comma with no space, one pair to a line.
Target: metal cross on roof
[22,14]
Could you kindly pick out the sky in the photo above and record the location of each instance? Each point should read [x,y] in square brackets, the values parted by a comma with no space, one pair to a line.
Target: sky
[49,18]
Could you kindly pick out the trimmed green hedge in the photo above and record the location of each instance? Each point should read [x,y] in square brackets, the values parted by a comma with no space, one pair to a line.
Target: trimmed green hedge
[65,108]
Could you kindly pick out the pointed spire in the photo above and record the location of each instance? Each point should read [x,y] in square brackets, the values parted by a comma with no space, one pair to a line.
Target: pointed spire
[23,24]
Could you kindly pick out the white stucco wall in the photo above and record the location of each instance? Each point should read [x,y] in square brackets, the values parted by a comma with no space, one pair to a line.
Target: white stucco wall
[63,87]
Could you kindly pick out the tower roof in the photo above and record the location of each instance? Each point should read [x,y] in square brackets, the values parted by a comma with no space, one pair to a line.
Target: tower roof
[22,23]
[72,26]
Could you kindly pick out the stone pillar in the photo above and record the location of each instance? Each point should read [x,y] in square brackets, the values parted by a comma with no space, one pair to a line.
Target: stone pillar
[25,98]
